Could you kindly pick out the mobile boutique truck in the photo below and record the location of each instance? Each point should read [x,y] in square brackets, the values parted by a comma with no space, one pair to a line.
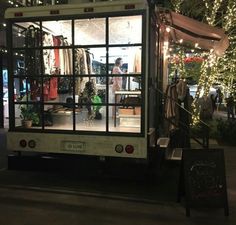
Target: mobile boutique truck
[61,77]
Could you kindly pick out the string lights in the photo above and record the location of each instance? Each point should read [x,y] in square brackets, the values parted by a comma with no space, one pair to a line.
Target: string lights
[214,69]
[177,5]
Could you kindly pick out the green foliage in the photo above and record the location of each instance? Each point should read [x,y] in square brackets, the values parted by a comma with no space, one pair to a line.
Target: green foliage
[192,71]
[27,113]
[226,131]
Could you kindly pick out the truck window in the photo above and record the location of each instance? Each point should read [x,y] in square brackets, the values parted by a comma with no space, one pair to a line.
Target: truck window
[64,73]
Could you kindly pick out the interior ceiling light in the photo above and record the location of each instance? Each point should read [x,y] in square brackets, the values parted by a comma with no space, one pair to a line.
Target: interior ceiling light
[168,29]
[181,41]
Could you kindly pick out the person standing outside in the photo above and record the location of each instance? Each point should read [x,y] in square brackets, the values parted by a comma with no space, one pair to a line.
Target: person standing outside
[219,98]
[230,106]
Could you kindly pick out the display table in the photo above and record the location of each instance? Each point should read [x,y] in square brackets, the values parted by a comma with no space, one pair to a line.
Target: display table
[124,93]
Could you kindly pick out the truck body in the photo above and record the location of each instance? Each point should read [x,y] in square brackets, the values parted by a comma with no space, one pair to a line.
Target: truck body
[61,75]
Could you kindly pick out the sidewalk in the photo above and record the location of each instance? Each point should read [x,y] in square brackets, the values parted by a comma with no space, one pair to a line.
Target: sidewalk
[220,114]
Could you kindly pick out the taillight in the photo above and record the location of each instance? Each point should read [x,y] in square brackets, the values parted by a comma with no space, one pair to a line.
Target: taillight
[119,148]
[32,144]
[23,143]
[129,149]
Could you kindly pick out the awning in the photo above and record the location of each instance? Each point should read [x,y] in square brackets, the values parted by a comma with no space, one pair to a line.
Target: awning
[190,30]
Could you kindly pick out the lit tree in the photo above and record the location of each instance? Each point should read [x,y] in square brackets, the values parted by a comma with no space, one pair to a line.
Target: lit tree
[227,64]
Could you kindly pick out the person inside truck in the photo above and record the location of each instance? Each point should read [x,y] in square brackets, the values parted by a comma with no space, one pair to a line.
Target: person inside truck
[117,81]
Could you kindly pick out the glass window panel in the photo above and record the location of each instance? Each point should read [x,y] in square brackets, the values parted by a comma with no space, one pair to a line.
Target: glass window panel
[128,59]
[133,83]
[32,62]
[57,33]
[57,61]
[125,30]
[58,90]
[27,115]
[19,63]
[124,120]
[27,62]
[90,61]
[27,90]
[21,87]
[90,31]
[91,118]
[26,34]
[58,117]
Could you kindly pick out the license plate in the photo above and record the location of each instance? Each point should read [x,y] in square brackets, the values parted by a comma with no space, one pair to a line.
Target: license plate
[73,146]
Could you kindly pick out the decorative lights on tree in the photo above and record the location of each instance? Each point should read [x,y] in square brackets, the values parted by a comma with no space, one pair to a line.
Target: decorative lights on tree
[211,12]
[209,67]
[176,5]
[227,65]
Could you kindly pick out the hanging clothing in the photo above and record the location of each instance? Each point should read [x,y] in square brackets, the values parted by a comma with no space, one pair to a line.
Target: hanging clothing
[171,108]
[48,54]
[170,103]
[56,42]
[83,65]
[181,88]
[32,56]
[53,88]
[137,61]
[89,62]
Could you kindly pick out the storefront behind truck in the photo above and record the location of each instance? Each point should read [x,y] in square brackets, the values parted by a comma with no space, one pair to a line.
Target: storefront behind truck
[60,63]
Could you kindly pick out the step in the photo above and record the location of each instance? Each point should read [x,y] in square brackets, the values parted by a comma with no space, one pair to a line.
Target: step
[163,142]
[174,154]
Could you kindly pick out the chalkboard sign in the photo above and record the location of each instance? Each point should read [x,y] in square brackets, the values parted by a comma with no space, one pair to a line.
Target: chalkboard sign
[203,179]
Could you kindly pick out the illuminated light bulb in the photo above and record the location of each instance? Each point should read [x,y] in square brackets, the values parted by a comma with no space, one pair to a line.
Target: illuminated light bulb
[4,24]
[181,41]
[167,29]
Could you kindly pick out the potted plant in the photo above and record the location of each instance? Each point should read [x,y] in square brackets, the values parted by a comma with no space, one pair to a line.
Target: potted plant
[28,116]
